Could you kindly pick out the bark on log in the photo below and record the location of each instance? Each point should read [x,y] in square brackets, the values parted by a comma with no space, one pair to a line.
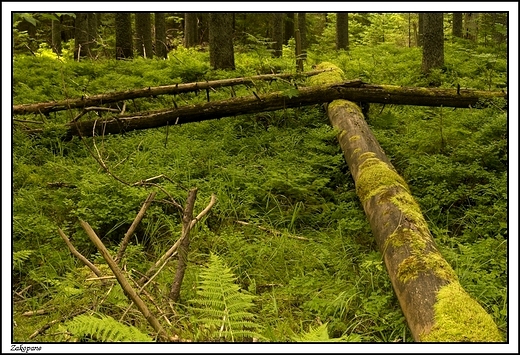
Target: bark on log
[436,307]
[351,90]
[96,100]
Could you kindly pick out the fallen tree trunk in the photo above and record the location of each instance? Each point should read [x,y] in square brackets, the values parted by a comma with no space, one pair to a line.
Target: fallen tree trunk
[436,307]
[96,100]
[351,90]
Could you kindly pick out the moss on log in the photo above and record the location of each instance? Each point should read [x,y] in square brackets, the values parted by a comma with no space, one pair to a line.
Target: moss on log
[436,307]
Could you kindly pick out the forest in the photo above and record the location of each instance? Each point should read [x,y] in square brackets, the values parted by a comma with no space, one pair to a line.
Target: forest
[256,177]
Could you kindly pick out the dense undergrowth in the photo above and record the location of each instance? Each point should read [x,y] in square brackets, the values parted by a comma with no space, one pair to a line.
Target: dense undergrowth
[319,276]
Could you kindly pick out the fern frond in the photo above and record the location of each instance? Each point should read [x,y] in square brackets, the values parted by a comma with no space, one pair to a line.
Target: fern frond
[220,308]
[105,329]
[321,334]
[20,256]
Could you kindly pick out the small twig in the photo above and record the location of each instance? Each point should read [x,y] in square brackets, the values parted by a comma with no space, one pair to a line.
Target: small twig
[37,313]
[204,211]
[26,121]
[100,278]
[78,254]
[135,223]
[50,324]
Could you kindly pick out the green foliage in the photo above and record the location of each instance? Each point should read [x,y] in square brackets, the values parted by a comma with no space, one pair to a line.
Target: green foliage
[312,266]
[104,329]
[221,311]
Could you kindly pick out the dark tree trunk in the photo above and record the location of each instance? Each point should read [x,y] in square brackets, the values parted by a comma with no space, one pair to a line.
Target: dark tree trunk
[161,49]
[433,42]
[288,27]
[302,26]
[124,42]
[143,30]
[92,34]
[277,33]
[56,36]
[81,36]
[457,24]
[190,30]
[221,52]
[342,30]
[203,33]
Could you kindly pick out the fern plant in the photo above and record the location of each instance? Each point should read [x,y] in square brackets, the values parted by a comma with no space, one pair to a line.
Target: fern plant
[105,329]
[321,334]
[20,256]
[221,310]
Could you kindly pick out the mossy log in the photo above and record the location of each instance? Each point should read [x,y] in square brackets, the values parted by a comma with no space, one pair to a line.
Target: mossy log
[354,90]
[436,307]
[102,99]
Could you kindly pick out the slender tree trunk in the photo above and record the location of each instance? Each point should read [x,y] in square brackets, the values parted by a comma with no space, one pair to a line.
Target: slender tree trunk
[470,26]
[288,27]
[190,30]
[433,42]
[81,36]
[221,52]
[143,29]
[342,30]
[302,26]
[124,42]
[457,24]
[92,34]
[56,36]
[203,32]
[161,50]
[421,28]
[277,20]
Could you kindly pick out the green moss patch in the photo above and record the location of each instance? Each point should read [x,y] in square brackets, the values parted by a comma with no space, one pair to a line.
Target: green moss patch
[459,318]
[334,76]
[376,177]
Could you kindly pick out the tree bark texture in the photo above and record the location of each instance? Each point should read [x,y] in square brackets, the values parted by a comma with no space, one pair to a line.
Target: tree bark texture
[433,42]
[190,30]
[457,24]
[302,26]
[342,30]
[277,20]
[92,34]
[288,27]
[354,91]
[143,30]
[56,36]
[124,45]
[161,50]
[81,36]
[420,276]
[221,52]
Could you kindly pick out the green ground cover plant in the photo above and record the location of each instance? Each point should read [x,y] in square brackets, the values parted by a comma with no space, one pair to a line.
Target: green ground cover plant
[311,272]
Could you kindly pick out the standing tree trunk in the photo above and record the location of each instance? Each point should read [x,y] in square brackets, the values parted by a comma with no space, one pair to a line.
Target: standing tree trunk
[92,34]
[288,27]
[203,29]
[143,30]
[302,26]
[342,30]
[277,33]
[81,36]
[470,26]
[434,304]
[161,50]
[221,53]
[421,29]
[190,30]
[433,42]
[124,45]
[56,36]
[457,24]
